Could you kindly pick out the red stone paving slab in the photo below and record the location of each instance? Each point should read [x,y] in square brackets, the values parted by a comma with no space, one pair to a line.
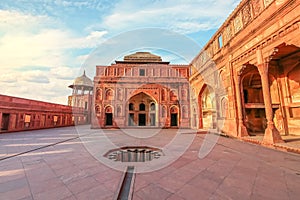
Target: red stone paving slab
[11,172]
[57,193]
[140,182]
[113,184]
[171,184]
[98,192]
[223,178]
[19,193]
[13,185]
[81,185]
[232,170]
[70,198]
[175,197]
[204,182]
[39,187]
[191,192]
[154,192]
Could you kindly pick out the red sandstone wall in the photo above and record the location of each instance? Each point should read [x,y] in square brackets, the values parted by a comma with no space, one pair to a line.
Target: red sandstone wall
[17,114]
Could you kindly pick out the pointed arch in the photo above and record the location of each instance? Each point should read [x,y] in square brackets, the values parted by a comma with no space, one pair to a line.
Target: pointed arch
[207,107]
[109,94]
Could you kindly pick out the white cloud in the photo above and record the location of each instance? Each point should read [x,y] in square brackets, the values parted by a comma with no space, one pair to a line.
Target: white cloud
[51,86]
[64,73]
[37,44]
[28,42]
[11,20]
[34,77]
[177,15]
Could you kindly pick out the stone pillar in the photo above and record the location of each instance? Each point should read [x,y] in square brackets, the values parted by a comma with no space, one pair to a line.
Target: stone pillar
[242,130]
[271,135]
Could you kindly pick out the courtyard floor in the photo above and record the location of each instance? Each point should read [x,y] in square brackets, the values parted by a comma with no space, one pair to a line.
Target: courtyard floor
[291,142]
[68,163]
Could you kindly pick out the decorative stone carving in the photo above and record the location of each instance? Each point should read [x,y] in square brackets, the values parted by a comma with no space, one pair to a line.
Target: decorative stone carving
[119,110]
[164,111]
[227,34]
[267,2]
[184,94]
[109,94]
[185,112]
[215,46]
[210,51]
[173,96]
[120,94]
[111,71]
[163,95]
[257,8]
[108,109]
[238,25]
[174,109]
[224,107]
[246,14]
[97,109]
[99,94]
[121,72]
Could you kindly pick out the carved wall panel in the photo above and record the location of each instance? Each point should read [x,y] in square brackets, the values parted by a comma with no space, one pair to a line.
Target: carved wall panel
[99,94]
[246,14]
[294,84]
[238,24]
[256,6]
[227,34]
[267,2]
[120,94]
[119,110]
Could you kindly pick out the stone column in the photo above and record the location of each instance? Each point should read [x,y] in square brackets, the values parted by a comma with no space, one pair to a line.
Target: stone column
[242,130]
[271,135]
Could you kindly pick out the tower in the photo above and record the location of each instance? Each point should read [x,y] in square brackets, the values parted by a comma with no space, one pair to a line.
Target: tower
[82,97]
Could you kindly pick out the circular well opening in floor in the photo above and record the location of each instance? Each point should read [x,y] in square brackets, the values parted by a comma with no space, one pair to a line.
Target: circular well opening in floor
[134,154]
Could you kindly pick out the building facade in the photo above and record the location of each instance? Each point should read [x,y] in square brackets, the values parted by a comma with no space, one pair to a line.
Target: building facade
[18,114]
[141,91]
[246,80]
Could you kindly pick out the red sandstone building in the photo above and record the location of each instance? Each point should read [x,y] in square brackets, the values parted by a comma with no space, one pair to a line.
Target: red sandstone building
[246,79]
[18,114]
[141,91]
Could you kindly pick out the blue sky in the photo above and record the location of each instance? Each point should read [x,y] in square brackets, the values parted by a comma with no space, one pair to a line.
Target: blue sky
[45,43]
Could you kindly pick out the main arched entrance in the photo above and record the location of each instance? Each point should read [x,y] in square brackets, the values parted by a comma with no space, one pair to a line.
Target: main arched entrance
[142,110]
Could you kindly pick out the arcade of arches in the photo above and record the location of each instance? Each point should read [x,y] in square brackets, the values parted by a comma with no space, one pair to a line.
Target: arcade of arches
[246,79]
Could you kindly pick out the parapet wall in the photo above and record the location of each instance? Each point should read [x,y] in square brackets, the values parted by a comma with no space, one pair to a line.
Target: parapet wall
[17,114]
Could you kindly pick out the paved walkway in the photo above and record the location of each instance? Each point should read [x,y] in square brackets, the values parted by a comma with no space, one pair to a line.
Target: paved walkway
[291,142]
[57,164]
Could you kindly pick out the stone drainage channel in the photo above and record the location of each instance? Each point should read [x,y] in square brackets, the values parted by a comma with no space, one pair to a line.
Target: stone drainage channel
[131,155]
